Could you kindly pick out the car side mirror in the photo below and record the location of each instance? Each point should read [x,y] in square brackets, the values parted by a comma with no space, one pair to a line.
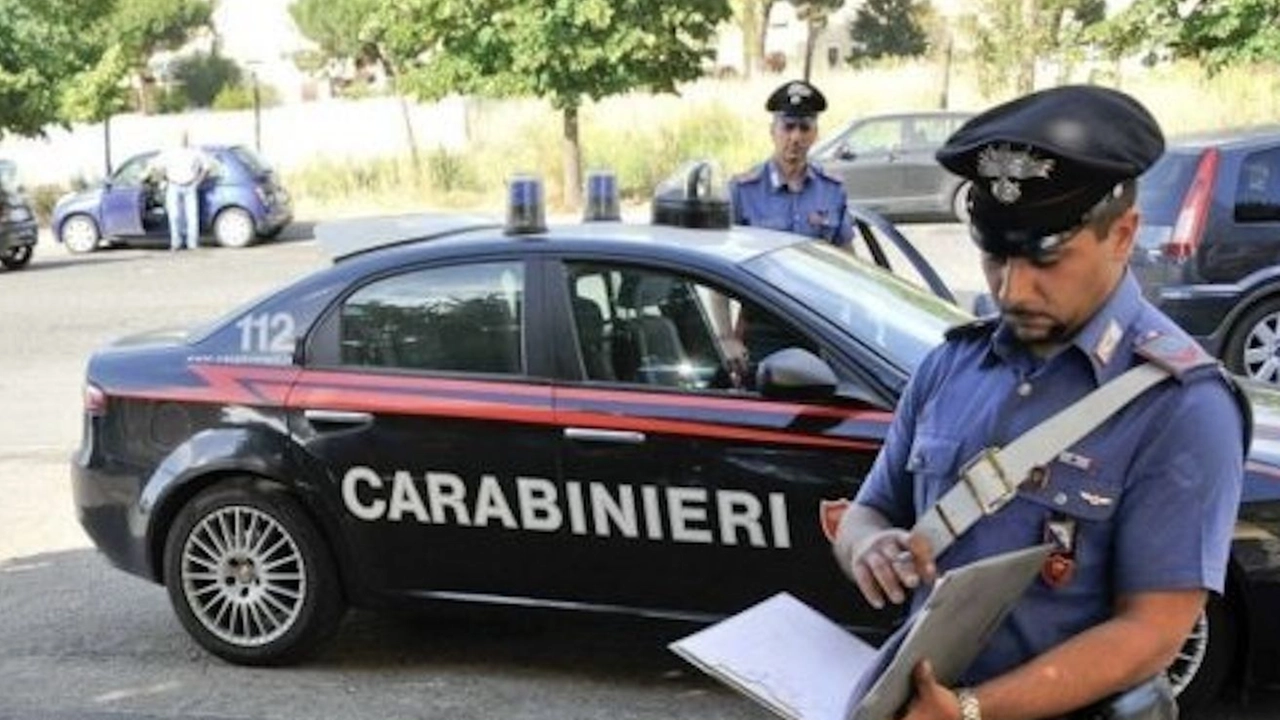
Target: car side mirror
[795,374]
[844,152]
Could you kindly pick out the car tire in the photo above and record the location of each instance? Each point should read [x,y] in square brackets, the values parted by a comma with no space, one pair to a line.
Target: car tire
[231,604]
[80,234]
[234,228]
[960,202]
[1253,347]
[1206,658]
[17,258]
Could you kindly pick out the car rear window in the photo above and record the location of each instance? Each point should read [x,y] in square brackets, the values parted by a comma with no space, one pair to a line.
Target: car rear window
[1161,191]
[251,160]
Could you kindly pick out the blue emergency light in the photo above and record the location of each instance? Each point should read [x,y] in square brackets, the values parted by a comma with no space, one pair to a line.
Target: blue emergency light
[602,197]
[526,207]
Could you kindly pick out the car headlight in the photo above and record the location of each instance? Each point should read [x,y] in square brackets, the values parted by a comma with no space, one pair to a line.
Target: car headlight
[18,213]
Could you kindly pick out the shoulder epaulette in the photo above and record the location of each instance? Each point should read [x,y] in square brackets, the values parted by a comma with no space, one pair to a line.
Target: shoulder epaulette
[826,174]
[1175,353]
[976,328]
[749,176]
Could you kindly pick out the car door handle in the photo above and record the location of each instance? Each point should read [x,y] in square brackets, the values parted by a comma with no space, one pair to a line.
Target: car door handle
[623,437]
[337,417]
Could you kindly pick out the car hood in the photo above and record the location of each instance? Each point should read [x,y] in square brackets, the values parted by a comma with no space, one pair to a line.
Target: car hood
[90,197]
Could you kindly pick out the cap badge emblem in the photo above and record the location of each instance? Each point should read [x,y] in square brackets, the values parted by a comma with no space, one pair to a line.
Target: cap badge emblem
[797,92]
[1007,166]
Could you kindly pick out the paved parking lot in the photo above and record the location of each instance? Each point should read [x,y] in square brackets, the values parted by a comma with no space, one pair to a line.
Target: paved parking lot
[82,640]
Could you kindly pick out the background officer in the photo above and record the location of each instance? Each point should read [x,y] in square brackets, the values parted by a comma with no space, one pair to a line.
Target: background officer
[787,192]
[1141,511]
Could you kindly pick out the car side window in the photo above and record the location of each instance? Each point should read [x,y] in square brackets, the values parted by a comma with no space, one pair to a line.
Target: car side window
[1258,188]
[925,133]
[655,327]
[461,318]
[133,172]
[875,136]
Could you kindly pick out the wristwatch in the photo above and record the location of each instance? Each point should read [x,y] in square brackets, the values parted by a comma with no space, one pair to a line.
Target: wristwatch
[968,701]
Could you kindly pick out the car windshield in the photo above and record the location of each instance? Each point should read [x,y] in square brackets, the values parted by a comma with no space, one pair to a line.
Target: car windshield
[1160,193]
[888,314]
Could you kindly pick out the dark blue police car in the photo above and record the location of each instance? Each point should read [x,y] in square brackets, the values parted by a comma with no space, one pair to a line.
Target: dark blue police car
[618,417]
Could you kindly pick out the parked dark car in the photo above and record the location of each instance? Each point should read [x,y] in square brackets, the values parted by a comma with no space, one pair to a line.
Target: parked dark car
[241,200]
[545,418]
[888,166]
[1208,251]
[18,231]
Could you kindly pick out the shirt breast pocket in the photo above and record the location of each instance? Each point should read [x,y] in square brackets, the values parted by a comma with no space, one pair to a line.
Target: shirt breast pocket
[933,464]
[1077,493]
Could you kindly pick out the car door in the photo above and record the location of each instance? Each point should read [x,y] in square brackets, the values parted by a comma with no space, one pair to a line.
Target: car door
[126,198]
[867,160]
[926,184]
[695,494]
[433,442]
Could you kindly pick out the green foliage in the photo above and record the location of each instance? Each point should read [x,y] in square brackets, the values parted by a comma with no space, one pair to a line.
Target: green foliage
[146,26]
[240,97]
[336,26]
[202,77]
[559,50]
[44,46]
[1218,33]
[888,28]
[1010,35]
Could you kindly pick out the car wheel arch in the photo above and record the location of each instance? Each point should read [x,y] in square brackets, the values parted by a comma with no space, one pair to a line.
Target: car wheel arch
[177,496]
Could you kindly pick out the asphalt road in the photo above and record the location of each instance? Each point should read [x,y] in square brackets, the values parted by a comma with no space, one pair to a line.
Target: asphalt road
[80,640]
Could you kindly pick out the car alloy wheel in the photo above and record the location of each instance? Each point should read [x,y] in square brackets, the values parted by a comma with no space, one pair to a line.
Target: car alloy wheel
[960,202]
[1203,664]
[234,228]
[1254,347]
[16,257]
[249,576]
[80,234]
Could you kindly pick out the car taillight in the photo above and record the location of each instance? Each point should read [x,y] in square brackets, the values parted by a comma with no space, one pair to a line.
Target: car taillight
[95,401]
[1189,228]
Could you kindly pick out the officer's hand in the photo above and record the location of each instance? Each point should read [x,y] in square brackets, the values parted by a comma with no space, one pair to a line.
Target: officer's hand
[932,700]
[890,562]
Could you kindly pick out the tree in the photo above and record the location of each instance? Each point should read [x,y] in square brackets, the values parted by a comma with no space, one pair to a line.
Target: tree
[202,77]
[888,28]
[564,51]
[1012,34]
[144,27]
[815,15]
[45,54]
[1215,32]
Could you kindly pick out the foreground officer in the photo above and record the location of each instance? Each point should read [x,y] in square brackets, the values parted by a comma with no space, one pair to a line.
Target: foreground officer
[1141,511]
[787,192]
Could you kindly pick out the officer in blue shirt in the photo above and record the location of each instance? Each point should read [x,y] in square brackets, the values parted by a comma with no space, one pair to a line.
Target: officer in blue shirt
[787,192]
[1141,511]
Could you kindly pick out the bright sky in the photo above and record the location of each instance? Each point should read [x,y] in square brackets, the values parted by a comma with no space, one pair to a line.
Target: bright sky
[257,29]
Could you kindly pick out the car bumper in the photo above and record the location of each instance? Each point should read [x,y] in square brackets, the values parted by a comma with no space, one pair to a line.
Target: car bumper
[106,502]
[19,234]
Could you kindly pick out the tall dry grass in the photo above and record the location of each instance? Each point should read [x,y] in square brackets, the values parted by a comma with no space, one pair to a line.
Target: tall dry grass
[644,137]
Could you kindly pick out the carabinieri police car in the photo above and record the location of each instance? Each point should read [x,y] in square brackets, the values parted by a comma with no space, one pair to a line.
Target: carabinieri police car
[659,418]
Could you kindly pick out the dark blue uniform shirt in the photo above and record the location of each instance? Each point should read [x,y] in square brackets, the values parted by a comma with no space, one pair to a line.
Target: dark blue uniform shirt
[761,198]
[1152,492]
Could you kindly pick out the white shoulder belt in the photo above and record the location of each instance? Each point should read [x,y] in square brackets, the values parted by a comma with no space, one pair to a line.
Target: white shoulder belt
[991,479]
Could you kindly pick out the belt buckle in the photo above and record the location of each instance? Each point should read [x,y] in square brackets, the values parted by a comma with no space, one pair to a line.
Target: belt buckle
[987,460]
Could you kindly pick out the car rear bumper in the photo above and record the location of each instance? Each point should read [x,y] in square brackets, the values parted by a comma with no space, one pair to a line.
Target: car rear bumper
[106,502]
[19,234]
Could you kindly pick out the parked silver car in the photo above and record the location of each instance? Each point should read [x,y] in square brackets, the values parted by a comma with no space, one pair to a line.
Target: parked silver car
[887,164]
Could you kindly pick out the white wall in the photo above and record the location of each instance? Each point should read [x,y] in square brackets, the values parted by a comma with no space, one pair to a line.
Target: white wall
[291,135]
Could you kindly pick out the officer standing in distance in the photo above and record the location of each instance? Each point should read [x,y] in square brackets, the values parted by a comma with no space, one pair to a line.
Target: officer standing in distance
[1140,512]
[787,192]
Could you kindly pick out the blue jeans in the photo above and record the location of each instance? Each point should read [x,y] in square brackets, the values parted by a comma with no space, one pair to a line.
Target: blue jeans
[181,202]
